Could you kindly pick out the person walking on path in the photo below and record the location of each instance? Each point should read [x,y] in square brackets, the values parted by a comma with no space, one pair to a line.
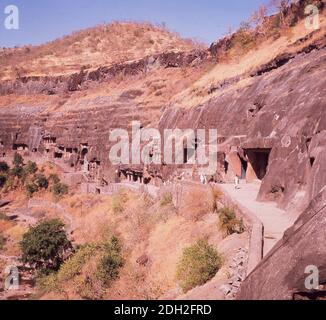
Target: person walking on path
[236,182]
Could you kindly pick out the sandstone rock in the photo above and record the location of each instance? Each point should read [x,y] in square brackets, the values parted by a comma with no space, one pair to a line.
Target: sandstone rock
[295,92]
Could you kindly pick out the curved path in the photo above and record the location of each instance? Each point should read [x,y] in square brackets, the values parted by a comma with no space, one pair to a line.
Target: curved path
[275,221]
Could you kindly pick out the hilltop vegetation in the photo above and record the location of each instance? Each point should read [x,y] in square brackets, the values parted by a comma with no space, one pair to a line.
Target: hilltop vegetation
[103,45]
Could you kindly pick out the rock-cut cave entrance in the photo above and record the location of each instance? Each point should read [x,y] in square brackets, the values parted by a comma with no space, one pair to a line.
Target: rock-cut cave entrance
[259,159]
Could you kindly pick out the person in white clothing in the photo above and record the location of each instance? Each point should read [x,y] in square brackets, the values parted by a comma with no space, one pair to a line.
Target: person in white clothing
[236,182]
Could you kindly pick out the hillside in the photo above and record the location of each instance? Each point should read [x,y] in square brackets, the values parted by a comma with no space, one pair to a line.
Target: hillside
[262,88]
[103,45]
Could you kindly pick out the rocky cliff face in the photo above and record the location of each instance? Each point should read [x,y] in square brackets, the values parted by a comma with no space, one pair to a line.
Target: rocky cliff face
[271,119]
[280,110]
[86,78]
[282,274]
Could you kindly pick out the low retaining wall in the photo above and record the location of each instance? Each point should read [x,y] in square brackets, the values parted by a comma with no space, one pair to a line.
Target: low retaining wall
[112,188]
[256,230]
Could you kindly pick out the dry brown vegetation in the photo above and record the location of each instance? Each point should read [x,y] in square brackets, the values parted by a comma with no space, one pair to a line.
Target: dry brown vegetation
[103,45]
[153,235]
[240,62]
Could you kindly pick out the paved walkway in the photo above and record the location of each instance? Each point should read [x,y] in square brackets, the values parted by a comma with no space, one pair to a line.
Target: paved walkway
[275,220]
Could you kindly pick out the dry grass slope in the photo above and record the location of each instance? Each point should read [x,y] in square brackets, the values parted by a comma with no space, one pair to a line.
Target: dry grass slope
[105,44]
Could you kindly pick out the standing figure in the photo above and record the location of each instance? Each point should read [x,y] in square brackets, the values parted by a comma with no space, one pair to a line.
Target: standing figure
[237,182]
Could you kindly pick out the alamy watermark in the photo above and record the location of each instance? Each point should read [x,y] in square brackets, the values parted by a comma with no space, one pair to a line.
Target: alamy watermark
[312,19]
[11,21]
[172,147]
[11,278]
[312,280]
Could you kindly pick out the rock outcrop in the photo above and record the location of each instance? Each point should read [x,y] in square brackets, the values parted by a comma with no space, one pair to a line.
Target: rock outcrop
[281,113]
[86,78]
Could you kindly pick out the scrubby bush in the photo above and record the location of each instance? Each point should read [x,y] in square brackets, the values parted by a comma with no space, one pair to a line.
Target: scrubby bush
[199,264]
[4,168]
[88,271]
[18,160]
[111,262]
[31,167]
[45,245]
[41,181]
[18,172]
[30,189]
[73,266]
[244,36]
[59,189]
[229,223]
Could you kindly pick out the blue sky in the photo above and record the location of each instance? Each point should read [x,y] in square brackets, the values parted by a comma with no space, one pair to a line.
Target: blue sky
[45,20]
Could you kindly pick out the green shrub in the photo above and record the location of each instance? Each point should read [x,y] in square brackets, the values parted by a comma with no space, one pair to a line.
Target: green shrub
[17,172]
[73,266]
[4,167]
[31,167]
[111,262]
[59,189]
[199,264]
[45,245]
[70,269]
[229,223]
[30,189]
[41,181]
[88,271]
[18,160]
[48,283]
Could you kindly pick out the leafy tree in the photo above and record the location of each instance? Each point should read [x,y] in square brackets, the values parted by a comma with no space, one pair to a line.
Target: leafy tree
[45,245]
[199,264]
[18,160]
[4,167]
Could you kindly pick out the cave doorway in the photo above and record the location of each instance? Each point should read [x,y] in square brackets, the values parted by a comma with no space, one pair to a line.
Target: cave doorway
[259,159]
